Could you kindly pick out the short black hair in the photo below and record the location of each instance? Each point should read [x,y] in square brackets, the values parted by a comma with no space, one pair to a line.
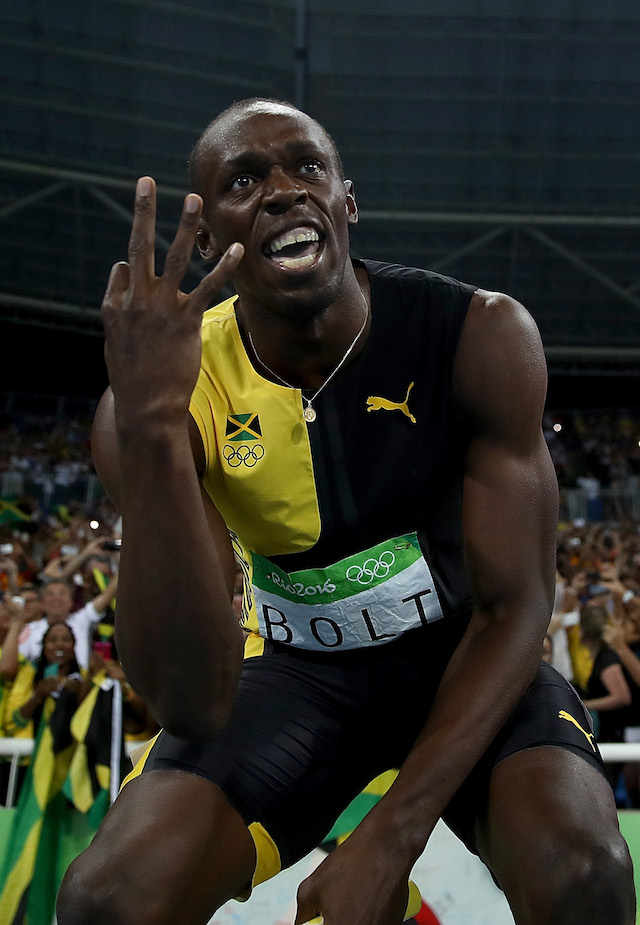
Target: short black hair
[196,158]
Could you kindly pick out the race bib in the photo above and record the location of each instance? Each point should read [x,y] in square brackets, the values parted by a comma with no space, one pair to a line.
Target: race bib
[367,599]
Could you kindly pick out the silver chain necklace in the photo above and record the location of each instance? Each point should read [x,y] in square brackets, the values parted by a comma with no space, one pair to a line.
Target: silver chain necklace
[309,413]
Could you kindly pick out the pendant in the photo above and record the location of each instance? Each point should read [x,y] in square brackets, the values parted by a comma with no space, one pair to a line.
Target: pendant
[309,414]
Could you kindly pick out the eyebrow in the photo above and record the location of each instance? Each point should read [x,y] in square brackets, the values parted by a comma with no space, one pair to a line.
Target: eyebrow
[246,159]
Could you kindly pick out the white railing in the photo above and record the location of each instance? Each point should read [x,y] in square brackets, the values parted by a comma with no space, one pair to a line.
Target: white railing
[16,749]
[20,748]
[611,505]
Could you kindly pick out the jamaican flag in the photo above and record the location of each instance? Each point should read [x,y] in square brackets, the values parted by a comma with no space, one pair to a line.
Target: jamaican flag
[359,807]
[11,513]
[32,870]
[100,762]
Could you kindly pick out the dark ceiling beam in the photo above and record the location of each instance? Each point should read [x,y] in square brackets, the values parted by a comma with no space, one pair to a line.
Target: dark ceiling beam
[582,265]
[502,218]
[200,74]
[387,216]
[26,202]
[126,215]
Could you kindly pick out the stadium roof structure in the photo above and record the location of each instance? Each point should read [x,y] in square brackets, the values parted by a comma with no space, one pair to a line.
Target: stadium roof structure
[497,141]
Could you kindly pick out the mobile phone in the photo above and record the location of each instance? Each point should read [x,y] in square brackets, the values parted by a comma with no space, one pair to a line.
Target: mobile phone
[104,648]
[6,549]
[51,670]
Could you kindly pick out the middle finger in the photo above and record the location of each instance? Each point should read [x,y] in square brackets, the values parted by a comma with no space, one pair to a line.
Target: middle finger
[181,250]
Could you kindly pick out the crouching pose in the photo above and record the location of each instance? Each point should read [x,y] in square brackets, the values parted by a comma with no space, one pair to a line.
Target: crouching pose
[365,439]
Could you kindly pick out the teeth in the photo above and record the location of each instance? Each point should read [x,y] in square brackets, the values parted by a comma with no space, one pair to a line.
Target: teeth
[295,236]
[296,263]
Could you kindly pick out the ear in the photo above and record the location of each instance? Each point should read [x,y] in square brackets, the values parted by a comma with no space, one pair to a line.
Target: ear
[206,243]
[351,205]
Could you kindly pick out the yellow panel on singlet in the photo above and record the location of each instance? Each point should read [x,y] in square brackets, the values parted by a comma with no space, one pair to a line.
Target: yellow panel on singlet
[258,456]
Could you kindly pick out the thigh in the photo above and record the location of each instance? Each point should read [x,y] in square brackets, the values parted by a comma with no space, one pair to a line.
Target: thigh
[549,834]
[295,753]
[171,848]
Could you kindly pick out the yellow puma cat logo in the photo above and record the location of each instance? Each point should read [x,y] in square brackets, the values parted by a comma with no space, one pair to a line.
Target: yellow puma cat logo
[588,735]
[375,403]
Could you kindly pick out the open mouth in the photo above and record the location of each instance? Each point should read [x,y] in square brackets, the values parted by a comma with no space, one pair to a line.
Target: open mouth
[296,249]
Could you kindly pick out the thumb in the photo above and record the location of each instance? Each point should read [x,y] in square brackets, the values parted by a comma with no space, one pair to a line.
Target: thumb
[308,911]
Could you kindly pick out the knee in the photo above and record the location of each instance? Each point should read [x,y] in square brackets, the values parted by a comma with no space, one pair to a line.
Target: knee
[89,893]
[590,880]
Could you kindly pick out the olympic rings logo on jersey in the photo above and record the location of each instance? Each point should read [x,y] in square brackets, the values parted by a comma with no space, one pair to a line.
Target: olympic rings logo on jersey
[372,568]
[243,455]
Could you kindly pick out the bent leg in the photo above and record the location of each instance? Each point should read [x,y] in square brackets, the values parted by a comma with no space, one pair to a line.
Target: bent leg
[170,849]
[550,835]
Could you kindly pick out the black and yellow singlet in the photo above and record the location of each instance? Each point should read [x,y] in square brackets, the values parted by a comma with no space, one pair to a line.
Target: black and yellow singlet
[348,527]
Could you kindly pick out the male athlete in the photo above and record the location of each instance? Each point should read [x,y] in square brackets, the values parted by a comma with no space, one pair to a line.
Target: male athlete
[367,439]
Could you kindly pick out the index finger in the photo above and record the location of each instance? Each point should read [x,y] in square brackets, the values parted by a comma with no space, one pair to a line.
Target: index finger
[142,240]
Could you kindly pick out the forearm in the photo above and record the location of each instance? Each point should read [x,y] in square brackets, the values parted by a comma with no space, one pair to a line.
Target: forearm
[486,677]
[178,638]
[608,702]
[9,655]
[27,709]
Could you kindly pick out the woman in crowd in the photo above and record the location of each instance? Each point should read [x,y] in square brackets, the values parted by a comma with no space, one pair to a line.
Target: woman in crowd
[38,688]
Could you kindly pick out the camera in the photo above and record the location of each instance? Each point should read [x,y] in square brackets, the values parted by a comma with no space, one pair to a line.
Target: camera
[112,545]
[6,549]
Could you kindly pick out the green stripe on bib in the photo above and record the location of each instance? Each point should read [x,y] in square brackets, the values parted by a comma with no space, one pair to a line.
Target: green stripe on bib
[366,599]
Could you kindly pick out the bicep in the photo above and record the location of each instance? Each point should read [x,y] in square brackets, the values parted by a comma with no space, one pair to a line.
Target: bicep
[614,680]
[510,503]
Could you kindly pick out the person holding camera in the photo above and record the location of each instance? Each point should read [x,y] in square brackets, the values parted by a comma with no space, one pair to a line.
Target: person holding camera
[57,601]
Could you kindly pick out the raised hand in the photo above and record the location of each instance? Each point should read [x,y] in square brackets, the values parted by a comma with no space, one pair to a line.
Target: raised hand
[152,328]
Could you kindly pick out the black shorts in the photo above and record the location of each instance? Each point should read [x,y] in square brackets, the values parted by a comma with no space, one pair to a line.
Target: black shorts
[310,731]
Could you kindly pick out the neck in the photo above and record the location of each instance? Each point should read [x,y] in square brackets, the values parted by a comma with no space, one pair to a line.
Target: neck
[304,350]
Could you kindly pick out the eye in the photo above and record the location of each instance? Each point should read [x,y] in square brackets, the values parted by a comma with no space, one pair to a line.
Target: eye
[312,167]
[243,181]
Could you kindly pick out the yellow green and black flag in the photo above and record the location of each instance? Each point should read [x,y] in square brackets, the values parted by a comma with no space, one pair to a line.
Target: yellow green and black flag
[34,840]
[100,762]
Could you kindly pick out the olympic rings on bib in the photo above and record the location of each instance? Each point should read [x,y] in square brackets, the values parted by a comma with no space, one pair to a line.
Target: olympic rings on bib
[243,455]
[372,568]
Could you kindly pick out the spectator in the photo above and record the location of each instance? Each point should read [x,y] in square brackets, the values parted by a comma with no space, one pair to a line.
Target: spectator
[57,600]
[12,618]
[31,602]
[606,692]
[42,703]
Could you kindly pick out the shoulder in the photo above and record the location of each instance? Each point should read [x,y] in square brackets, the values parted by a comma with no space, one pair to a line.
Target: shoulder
[500,368]
[33,631]
[218,319]
[84,615]
[430,284]
[607,657]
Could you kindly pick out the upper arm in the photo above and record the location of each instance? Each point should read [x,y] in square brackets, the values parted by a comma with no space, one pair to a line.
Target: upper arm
[510,502]
[104,446]
[614,680]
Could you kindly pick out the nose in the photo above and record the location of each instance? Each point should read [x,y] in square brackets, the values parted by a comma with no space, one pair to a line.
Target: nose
[282,191]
